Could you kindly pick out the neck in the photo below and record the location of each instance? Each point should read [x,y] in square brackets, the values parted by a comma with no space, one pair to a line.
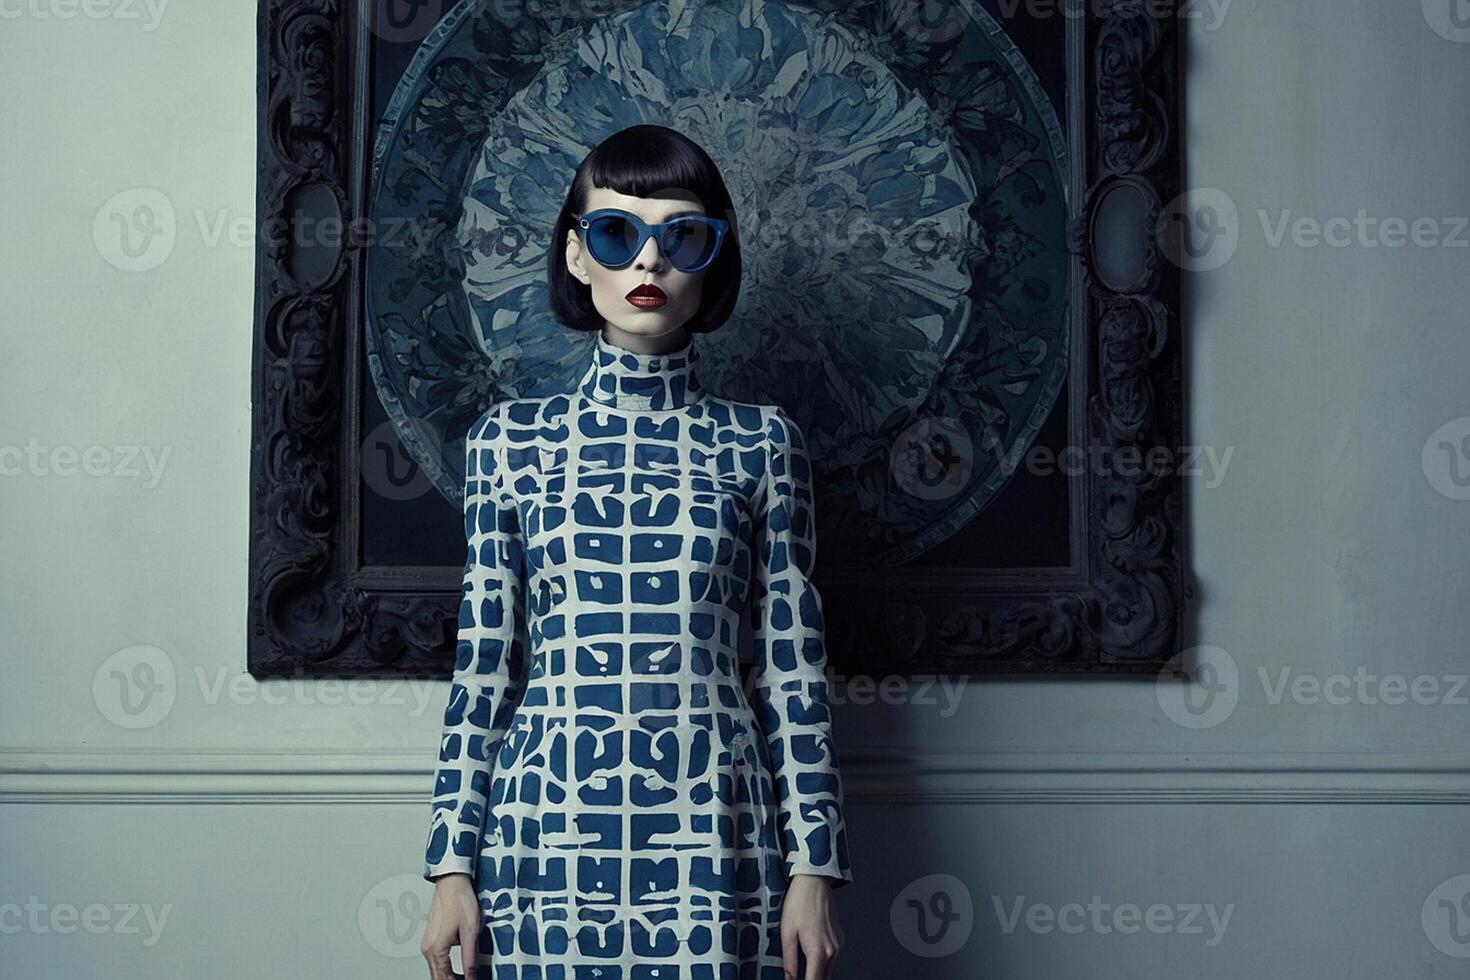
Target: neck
[628,380]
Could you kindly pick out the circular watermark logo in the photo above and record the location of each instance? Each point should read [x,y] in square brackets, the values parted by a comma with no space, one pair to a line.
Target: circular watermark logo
[1445,459]
[1200,229]
[388,469]
[404,21]
[135,229]
[1450,19]
[392,915]
[1446,917]
[933,915]
[136,687]
[928,21]
[933,459]
[1199,688]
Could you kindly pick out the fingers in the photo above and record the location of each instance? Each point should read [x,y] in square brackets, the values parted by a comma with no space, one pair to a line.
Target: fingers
[819,955]
[454,920]
[440,967]
[790,953]
[435,946]
[469,942]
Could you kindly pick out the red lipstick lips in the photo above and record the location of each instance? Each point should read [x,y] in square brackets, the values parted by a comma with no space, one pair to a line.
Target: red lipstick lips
[647,297]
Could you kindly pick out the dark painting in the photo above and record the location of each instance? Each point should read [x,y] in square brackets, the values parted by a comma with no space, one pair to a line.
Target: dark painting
[918,192]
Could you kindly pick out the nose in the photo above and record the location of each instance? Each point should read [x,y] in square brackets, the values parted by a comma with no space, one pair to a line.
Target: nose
[649,257]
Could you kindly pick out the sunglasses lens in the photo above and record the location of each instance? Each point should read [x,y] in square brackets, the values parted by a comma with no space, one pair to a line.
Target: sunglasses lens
[689,243]
[612,240]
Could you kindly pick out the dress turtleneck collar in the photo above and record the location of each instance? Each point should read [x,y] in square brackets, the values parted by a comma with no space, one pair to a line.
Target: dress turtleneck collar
[626,380]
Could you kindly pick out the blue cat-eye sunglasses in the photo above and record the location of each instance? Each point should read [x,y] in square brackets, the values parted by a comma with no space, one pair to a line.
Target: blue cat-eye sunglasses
[614,238]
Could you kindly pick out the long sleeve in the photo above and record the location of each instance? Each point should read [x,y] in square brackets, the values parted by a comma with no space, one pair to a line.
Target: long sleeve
[790,663]
[490,657]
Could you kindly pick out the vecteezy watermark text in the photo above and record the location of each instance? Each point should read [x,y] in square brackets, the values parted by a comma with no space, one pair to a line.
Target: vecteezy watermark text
[137,688]
[1202,686]
[1201,229]
[1104,918]
[35,459]
[923,690]
[119,10]
[121,919]
[1210,12]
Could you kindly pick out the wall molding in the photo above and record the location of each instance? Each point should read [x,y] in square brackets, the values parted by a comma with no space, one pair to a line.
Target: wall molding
[874,774]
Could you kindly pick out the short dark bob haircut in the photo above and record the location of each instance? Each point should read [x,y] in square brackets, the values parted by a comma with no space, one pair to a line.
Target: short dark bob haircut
[641,161]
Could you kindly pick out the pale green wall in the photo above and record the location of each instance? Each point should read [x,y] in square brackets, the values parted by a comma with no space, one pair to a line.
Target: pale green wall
[1325,549]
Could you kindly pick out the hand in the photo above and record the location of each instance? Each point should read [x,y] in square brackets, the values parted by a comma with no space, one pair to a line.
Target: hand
[454,919]
[809,925]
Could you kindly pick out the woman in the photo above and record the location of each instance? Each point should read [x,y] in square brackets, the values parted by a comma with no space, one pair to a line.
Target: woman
[608,803]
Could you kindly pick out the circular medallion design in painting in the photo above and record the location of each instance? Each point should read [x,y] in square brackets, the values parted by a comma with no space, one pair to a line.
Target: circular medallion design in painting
[899,193]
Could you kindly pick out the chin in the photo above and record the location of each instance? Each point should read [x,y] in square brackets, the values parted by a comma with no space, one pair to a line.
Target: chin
[649,323]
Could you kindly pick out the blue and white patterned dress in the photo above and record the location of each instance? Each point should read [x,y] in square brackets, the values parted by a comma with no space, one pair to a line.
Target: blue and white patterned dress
[627,812]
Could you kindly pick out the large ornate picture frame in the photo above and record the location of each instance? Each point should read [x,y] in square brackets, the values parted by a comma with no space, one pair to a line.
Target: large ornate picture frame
[1110,601]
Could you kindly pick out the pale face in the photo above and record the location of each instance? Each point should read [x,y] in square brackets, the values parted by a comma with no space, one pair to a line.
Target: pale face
[610,287]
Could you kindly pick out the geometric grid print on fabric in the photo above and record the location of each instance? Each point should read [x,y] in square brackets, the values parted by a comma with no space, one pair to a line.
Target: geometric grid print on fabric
[626,811]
